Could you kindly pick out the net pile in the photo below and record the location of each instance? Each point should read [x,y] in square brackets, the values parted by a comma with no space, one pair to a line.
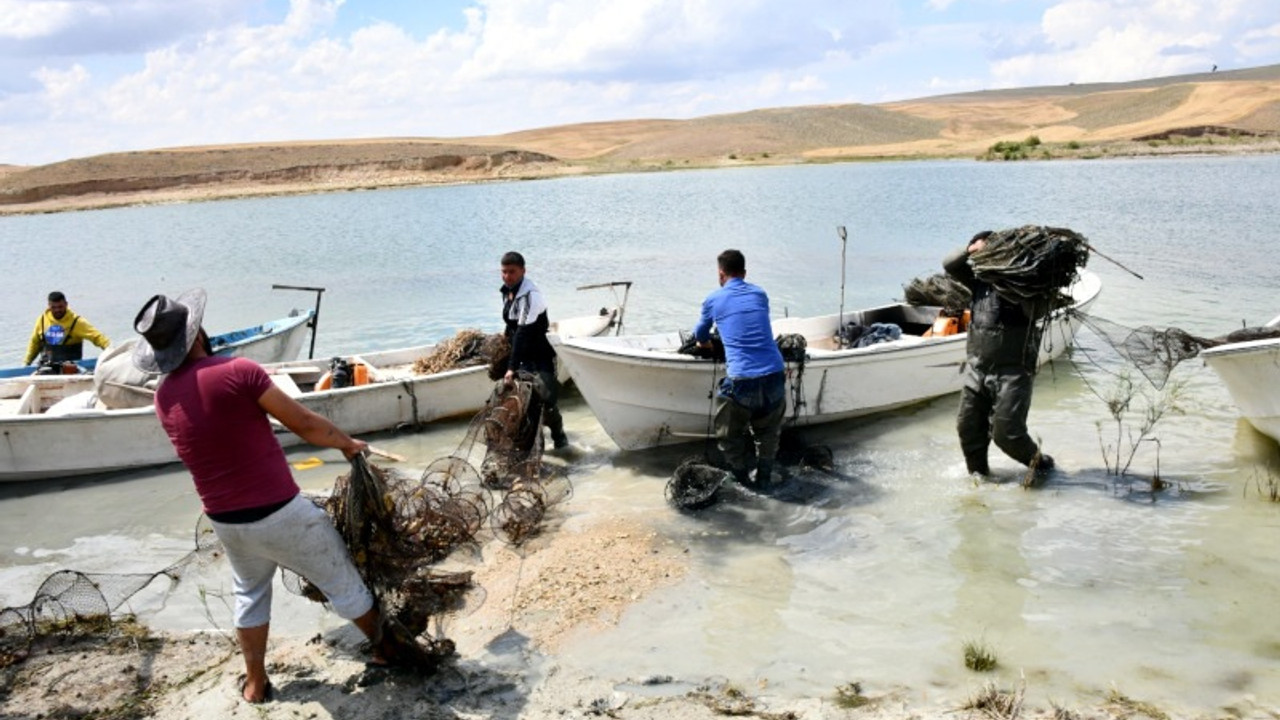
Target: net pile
[70,597]
[938,290]
[398,527]
[1032,265]
[467,348]
[694,484]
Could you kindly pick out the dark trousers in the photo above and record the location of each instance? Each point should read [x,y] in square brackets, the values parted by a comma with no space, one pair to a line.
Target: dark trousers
[994,406]
[749,422]
[548,390]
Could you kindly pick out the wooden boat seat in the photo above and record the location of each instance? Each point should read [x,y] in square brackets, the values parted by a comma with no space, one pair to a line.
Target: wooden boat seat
[298,370]
[28,404]
[285,382]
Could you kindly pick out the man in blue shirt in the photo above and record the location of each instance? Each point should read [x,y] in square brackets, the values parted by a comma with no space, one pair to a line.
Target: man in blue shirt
[753,393]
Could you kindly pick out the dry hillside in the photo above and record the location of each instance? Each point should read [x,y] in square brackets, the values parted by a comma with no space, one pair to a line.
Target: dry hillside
[1240,109]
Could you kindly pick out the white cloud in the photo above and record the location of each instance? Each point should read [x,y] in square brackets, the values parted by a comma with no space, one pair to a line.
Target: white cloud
[808,83]
[73,27]
[26,20]
[214,76]
[1116,40]
[664,39]
[1262,43]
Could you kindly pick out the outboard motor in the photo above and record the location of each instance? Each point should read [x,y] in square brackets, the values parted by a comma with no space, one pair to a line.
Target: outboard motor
[340,371]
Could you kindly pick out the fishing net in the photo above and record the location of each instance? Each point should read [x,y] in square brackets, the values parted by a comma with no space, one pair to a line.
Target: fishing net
[940,290]
[398,527]
[467,348]
[694,483]
[1032,265]
[70,598]
[1155,352]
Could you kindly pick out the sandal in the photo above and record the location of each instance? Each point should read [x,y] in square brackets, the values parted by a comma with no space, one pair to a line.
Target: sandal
[268,692]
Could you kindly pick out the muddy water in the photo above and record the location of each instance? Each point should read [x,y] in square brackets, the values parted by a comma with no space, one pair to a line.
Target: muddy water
[881,571]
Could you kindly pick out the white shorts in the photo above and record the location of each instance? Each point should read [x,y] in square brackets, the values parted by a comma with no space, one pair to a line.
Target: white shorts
[300,537]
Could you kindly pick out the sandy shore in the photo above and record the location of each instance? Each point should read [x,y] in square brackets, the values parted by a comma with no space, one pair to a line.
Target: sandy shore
[564,582]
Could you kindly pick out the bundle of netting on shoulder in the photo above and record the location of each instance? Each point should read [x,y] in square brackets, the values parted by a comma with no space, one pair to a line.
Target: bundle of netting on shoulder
[939,290]
[1032,265]
[694,484]
[70,602]
[467,348]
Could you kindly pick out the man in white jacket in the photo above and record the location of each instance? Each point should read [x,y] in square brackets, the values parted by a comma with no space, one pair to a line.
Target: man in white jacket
[524,311]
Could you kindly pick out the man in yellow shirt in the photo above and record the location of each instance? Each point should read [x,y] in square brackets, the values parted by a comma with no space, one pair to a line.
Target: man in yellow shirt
[59,334]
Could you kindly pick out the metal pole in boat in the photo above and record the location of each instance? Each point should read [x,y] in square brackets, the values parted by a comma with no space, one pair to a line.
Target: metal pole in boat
[315,318]
[844,244]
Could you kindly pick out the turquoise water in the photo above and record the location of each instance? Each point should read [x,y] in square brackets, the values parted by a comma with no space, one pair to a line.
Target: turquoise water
[879,574]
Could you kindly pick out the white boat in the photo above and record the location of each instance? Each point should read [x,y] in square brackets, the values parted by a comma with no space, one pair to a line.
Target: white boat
[1251,371]
[38,444]
[646,394]
[274,341]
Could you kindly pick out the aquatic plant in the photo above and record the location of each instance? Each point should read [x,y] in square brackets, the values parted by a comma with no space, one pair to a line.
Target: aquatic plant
[1061,712]
[850,697]
[1152,408]
[1129,706]
[1267,482]
[979,656]
[996,703]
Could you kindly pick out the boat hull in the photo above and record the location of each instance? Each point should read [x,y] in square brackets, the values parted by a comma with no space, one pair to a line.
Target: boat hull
[1251,372]
[645,395]
[100,441]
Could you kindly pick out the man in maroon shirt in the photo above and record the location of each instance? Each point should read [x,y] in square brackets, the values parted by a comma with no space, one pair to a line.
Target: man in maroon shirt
[215,410]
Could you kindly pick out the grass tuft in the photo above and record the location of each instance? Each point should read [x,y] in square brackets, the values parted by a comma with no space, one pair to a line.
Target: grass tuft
[979,656]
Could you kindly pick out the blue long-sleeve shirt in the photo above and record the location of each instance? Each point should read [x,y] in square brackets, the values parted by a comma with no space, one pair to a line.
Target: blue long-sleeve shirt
[741,311]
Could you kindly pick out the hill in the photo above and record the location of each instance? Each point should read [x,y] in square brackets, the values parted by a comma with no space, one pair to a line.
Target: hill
[1236,111]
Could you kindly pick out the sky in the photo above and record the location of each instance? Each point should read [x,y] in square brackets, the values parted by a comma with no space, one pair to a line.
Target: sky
[84,77]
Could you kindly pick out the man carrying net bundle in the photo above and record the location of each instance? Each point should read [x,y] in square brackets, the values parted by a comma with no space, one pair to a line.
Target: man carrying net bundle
[1015,278]
[215,411]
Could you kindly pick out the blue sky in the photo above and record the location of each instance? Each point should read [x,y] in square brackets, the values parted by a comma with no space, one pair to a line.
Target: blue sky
[81,77]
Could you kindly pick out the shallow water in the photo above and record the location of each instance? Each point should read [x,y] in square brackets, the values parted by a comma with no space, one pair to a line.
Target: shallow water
[877,573]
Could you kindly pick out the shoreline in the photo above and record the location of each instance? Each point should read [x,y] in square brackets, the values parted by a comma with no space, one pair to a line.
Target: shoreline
[508,666]
[340,179]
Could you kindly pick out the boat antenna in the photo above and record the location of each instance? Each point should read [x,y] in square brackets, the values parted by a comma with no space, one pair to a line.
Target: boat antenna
[315,318]
[844,244]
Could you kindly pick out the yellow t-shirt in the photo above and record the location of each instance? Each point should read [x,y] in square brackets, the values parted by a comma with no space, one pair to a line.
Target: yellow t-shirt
[70,330]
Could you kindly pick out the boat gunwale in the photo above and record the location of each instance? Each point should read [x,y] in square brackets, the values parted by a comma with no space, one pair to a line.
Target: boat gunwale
[1090,284]
[1244,347]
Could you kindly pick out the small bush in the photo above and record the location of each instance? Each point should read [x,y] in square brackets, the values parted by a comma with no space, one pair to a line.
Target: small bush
[1073,145]
[849,696]
[979,657]
[1032,141]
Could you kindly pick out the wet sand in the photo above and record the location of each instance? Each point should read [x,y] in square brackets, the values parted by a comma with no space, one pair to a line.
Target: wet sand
[566,582]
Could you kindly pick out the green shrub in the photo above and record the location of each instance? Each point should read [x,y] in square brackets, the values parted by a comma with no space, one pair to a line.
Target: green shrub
[1032,141]
[979,657]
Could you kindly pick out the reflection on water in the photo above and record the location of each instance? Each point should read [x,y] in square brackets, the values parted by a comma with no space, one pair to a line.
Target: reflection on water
[877,572]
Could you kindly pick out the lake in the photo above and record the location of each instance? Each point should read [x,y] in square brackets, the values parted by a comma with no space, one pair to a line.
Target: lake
[890,566]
